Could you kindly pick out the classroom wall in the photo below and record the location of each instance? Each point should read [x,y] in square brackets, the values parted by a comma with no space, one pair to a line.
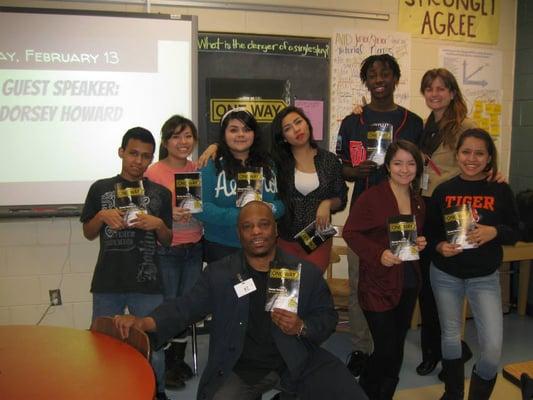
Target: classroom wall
[521,174]
[32,252]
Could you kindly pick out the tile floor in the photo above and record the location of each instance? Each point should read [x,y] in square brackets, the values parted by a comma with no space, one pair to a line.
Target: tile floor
[518,346]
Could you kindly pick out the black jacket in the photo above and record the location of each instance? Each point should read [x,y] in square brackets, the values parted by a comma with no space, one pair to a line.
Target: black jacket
[214,294]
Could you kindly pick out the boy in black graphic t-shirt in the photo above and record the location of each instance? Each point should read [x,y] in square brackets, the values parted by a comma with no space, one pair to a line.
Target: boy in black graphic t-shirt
[126,273]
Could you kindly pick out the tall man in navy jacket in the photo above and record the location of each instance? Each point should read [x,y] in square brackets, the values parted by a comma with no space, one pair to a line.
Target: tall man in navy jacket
[381,74]
[252,351]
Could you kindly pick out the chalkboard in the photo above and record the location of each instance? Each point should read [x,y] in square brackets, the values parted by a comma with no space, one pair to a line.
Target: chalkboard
[301,65]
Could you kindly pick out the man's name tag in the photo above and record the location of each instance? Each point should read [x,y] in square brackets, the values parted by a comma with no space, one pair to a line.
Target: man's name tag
[245,287]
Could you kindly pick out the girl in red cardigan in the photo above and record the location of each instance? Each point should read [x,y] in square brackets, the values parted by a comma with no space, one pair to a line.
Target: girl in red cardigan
[388,287]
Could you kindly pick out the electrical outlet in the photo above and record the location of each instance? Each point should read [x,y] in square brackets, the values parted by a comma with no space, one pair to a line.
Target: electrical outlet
[55,297]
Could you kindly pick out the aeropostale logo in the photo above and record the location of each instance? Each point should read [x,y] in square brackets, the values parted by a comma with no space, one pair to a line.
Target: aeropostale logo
[264,110]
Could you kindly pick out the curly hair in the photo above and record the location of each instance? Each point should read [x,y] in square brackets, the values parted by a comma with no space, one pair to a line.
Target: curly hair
[385,59]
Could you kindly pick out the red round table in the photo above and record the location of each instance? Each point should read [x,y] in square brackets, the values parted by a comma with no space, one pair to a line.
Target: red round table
[48,362]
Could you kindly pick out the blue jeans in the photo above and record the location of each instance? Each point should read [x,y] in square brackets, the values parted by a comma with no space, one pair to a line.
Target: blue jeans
[484,297]
[180,268]
[138,304]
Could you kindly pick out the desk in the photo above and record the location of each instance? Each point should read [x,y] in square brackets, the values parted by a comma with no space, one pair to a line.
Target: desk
[47,362]
[522,252]
[513,371]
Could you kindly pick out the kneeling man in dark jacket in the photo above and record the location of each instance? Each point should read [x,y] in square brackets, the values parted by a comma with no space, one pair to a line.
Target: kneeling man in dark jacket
[251,350]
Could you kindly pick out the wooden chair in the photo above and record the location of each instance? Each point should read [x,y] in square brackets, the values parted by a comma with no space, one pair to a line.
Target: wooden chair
[136,339]
[339,287]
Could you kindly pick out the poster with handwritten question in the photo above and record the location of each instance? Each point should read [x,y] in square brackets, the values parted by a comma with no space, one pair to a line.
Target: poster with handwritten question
[349,49]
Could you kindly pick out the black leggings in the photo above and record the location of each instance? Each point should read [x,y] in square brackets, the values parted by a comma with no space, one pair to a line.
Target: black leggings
[389,329]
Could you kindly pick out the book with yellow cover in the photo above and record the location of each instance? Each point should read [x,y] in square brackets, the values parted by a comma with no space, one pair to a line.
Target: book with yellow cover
[402,237]
[310,237]
[129,197]
[249,185]
[458,221]
[283,288]
[189,191]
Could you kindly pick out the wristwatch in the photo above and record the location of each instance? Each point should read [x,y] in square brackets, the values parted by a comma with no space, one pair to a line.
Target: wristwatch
[303,330]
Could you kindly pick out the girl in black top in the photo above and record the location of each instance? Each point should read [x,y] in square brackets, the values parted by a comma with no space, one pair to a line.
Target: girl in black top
[310,182]
[458,271]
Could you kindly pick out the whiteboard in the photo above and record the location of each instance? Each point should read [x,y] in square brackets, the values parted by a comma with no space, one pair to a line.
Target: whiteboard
[72,83]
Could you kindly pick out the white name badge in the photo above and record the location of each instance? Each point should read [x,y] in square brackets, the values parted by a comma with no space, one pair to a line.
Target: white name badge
[424,182]
[245,287]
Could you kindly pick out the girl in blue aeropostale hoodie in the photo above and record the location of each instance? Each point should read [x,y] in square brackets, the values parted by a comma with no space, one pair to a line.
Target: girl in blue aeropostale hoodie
[239,149]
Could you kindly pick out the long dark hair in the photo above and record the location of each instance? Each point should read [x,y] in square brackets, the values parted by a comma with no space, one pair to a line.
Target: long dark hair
[456,111]
[257,157]
[175,124]
[412,149]
[482,134]
[282,153]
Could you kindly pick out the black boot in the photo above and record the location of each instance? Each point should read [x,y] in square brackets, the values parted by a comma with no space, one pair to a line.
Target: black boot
[357,362]
[466,355]
[480,389]
[172,379]
[369,384]
[182,368]
[387,387]
[526,385]
[454,379]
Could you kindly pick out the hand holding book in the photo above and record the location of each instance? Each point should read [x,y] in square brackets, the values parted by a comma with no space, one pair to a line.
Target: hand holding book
[448,249]
[364,169]
[481,234]
[146,222]
[421,243]
[388,258]
[113,217]
[289,323]
[323,214]
[181,215]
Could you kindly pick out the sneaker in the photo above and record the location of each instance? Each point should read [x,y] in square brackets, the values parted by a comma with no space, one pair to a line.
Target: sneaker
[357,362]
[183,370]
